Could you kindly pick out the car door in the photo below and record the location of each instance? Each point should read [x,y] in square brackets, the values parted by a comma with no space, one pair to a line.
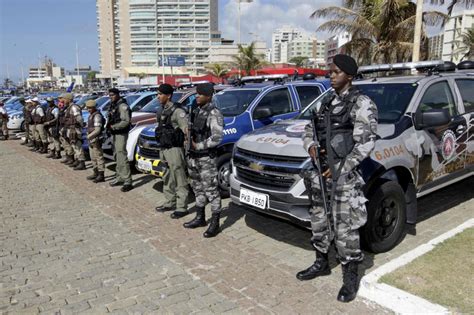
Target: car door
[466,90]
[280,104]
[442,156]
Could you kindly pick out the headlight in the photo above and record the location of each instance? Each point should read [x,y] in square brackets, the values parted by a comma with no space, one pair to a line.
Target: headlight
[18,116]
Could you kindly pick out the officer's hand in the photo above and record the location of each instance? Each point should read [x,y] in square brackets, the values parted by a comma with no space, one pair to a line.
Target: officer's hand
[193,144]
[327,173]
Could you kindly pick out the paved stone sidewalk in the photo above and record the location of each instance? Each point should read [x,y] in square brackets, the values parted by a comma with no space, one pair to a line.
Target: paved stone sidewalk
[87,232]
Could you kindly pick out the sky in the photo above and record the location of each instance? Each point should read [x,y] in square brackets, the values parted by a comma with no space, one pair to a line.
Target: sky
[33,28]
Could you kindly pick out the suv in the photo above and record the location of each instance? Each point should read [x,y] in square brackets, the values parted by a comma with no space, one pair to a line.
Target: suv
[245,108]
[425,142]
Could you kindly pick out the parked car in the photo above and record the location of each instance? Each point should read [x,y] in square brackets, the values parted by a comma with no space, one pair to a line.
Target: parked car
[425,129]
[245,108]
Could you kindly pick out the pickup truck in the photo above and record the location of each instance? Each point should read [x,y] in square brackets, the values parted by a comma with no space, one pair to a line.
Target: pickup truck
[425,142]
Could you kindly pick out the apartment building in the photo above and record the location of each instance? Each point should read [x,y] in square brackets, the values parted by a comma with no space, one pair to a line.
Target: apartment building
[435,47]
[225,51]
[458,24]
[135,34]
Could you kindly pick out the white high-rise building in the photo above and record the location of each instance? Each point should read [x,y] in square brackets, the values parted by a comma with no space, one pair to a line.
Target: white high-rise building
[280,39]
[334,45]
[458,24]
[435,47]
[134,34]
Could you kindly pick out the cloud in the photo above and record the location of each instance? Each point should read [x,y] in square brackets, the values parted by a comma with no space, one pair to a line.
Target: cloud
[262,17]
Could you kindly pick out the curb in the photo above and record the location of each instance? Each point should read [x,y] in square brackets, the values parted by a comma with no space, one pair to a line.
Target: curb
[398,300]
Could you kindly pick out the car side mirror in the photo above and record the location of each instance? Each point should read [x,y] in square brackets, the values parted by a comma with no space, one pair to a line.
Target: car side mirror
[262,112]
[431,118]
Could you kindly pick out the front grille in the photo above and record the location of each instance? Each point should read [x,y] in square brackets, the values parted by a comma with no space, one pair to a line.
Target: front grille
[148,138]
[270,157]
[265,180]
[148,147]
[149,153]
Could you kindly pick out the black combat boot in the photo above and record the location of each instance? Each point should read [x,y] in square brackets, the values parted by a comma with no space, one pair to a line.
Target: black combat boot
[100,177]
[81,165]
[213,228]
[198,221]
[94,175]
[319,268]
[74,163]
[69,159]
[30,144]
[51,154]
[44,148]
[34,146]
[57,156]
[350,285]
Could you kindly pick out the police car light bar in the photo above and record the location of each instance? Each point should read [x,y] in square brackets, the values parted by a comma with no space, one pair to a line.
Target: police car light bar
[400,66]
[266,77]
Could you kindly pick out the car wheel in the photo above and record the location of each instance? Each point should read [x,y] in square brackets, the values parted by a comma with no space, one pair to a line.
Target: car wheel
[386,218]
[223,174]
[22,126]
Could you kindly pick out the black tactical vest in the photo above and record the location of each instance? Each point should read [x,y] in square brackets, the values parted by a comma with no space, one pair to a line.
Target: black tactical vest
[37,119]
[335,127]
[114,117]
[90,122]
[62,117]
[166,135]
[200,130]
[49,114]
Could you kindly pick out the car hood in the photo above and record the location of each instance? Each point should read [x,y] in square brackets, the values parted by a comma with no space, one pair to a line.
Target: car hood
[149,131]
[14,112]
[143,117]
[285,138]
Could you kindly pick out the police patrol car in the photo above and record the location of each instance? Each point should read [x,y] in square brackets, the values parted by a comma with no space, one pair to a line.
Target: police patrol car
[245,108]
[425,142]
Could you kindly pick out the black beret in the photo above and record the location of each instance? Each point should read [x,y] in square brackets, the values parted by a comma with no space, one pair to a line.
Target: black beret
[165,88]
[346,63]
[206,89]
[114,91]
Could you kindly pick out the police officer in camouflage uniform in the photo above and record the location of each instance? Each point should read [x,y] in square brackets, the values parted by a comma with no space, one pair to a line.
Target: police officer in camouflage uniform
[206,134]
[51,125]
[26,115]
[172,123]
[74,123]
[68,150]
[118,124]
[346,128]
[3,121]
[38,115]
[95,127]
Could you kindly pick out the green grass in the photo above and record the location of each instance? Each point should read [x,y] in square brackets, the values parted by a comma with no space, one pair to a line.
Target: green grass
[444,275]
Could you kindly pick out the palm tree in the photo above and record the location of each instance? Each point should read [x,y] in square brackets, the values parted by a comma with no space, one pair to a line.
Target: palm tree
[381,31]
[466,44]
[141,76]
[299,61]
[467,3]
[218,70]
[248,59]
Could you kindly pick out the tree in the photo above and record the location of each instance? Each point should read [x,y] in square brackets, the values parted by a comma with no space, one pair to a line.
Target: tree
[91,76]
[381,31]
[467,3]
[218,70]
[247,59]
[299,61]
[466,44]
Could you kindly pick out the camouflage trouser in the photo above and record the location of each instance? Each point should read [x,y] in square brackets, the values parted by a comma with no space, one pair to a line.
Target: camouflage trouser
[203,174]
[75,139]
[54,143]
[175,179]
[4,128]
[40,133]
[65,142]
[27,131]
[32,131]
[97,156]
[348,213]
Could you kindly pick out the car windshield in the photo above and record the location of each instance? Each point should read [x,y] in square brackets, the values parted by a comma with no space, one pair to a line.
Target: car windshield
[234,102]
[130,99]
[176,96]
[391,99]
[101,101]
[151,107]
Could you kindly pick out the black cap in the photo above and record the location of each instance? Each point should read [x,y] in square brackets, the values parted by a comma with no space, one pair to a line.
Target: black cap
[166,89]
[346,63]
[206,89]
[114,91]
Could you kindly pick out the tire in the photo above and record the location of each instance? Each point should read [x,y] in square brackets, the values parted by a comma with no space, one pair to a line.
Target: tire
[386,218]
[223,173]
[22,126]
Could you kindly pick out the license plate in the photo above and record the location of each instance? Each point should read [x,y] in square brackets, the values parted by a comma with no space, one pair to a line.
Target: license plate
[253,198]
[144,165]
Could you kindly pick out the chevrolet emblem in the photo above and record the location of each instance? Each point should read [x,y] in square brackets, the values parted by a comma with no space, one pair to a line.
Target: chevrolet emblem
[256,166]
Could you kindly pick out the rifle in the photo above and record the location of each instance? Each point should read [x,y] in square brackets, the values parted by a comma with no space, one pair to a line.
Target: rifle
[317,164]
[189,133]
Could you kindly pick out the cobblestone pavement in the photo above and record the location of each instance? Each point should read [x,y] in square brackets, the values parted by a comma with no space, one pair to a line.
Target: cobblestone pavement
[68,245]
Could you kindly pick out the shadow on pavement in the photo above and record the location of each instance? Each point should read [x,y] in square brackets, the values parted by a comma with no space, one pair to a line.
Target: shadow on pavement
[137,182]
[444,199]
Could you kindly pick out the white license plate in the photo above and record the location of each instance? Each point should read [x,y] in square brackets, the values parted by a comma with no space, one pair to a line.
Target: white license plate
[144,165]
[253,198]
